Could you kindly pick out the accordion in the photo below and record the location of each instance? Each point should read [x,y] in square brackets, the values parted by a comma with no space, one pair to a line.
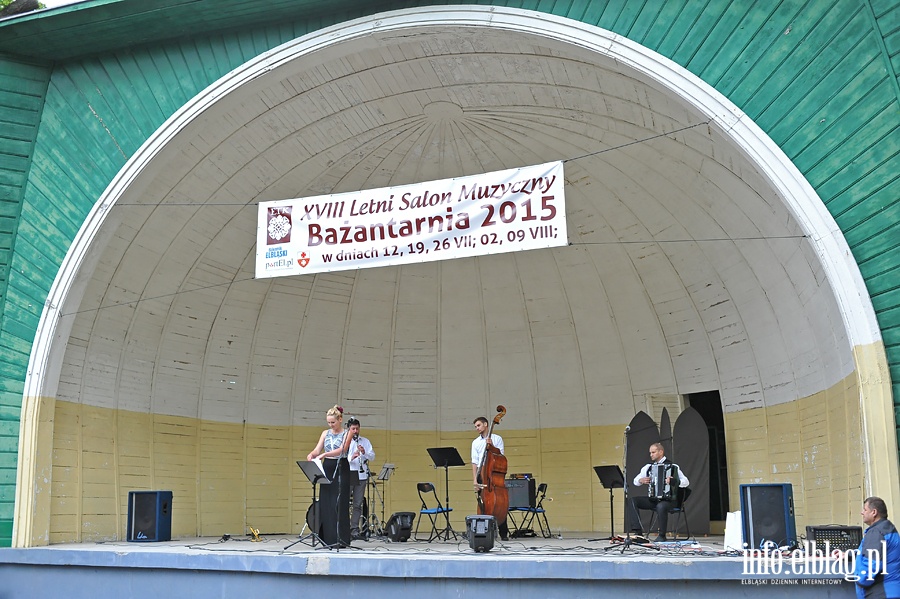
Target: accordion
[659,488]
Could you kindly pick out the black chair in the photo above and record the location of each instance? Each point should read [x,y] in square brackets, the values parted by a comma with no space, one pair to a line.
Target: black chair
[435,512]
[526,528]
[677,509]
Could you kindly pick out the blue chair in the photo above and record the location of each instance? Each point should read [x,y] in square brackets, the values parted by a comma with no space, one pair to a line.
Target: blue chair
[435,512]
[526,528]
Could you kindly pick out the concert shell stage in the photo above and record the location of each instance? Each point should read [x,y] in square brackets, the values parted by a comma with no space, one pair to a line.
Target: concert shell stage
[729,169]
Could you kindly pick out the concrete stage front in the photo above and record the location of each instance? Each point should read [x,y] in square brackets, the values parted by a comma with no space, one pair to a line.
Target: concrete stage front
[571,567]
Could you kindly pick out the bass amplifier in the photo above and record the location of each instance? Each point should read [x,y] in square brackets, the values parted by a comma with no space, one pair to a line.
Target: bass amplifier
[149,516]
[521,492]
[843,538]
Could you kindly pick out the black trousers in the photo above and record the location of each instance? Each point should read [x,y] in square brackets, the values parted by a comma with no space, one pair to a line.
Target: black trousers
[651,503]
[503,529]
[334,500]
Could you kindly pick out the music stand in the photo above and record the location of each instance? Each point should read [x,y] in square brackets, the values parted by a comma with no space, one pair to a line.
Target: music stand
[386,472]
[627,542]
[315,474]
[444,457]
[374,494]
[611,477]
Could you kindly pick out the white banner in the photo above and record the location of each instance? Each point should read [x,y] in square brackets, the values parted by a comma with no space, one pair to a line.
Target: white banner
[505,211]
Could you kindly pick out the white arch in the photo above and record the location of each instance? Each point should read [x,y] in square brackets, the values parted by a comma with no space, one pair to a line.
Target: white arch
[801,200]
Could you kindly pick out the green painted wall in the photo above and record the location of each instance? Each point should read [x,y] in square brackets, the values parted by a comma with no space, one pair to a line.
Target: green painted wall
[820,77]
[23,85]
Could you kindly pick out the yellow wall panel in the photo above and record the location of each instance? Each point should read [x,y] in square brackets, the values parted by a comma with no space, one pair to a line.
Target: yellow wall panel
[175,443]
[567,469]
[222,479]
[226,477]
[134,439]
[44,468]
[812,443]
[268,474]
[607,449]
[65,501]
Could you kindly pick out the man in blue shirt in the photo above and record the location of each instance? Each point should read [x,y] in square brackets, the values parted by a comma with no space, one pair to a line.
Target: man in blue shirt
[878,562]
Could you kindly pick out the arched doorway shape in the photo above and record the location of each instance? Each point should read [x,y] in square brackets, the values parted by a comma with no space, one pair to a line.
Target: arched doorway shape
[799,199]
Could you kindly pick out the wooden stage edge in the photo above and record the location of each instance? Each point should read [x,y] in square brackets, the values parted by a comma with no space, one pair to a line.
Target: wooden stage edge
[571,565]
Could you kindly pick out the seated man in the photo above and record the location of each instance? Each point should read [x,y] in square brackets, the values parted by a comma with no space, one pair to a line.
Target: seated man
[661,499]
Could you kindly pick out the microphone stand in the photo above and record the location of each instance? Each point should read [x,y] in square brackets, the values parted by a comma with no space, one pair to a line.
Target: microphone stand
[628,542]
[625,476]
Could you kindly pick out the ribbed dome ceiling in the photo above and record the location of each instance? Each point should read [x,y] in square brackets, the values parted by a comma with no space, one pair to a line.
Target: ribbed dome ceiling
[685,271]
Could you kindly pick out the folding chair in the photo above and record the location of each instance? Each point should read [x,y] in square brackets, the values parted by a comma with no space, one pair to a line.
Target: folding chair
[677,509]
[434,514]
[536,513]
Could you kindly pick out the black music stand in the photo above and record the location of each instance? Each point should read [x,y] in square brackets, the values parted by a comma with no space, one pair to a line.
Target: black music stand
[627,542]
[385,473]
[611,477]
[374,523]
[315,474]
[444,457]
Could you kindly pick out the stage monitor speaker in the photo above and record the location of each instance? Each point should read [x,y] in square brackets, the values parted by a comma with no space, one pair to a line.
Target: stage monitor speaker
[399,526]
[521,492]
[149,516]
[767,516]
[481,531]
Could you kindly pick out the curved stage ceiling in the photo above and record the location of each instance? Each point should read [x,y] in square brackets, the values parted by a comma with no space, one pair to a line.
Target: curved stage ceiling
[686,269]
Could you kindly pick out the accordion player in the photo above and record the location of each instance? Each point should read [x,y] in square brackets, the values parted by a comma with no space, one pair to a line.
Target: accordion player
[664,481]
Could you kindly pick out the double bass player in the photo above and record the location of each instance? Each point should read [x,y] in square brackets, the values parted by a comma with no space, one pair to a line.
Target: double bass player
[482,427]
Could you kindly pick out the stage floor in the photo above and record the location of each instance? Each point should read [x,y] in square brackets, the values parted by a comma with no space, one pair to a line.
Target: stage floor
[584,545]
[571,565]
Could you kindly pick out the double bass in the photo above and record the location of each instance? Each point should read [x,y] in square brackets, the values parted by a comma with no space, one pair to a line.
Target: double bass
[493,497]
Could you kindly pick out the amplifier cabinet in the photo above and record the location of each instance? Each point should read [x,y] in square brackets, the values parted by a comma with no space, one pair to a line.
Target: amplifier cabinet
[399,526]
[843,538]
[521,492]
[481,531]
[149,516]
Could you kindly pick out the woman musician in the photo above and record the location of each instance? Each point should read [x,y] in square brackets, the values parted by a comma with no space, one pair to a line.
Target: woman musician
[334,499]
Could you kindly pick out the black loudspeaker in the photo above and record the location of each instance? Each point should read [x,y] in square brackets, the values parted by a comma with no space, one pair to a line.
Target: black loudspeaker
[521,492]
[767,516]
[481,531]
[399,526]
[149,516]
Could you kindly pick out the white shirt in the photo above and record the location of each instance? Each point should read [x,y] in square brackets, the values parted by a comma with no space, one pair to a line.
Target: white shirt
[480,443]
[645,471]
[365,458]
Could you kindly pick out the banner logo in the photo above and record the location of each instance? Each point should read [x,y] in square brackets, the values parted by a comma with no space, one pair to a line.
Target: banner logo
[278,225]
